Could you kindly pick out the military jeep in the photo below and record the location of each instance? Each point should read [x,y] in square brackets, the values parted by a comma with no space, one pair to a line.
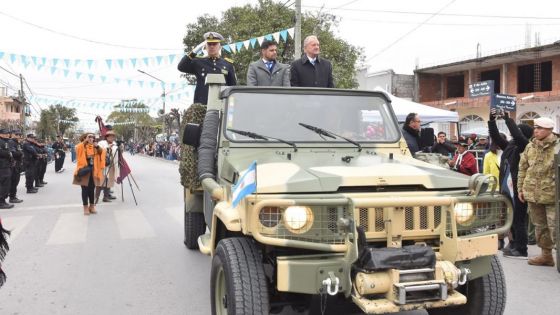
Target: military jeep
[341,210]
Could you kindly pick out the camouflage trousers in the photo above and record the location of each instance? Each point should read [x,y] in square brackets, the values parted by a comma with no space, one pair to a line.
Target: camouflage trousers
[544,219]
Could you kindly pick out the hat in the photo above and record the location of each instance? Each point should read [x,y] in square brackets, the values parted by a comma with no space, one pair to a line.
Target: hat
[213,37]
[483,137]
[4,131]
[110,133]
[16,132]
[30,135]
[544,122]
[461,141]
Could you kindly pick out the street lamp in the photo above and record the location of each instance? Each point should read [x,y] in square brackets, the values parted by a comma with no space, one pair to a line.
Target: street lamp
[162,96]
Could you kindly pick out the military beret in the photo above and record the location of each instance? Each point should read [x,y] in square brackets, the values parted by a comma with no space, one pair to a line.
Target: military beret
[544,122]
[213,37]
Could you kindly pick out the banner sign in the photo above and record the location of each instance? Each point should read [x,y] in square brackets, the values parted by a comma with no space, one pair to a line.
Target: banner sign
[483,88]
[504,101]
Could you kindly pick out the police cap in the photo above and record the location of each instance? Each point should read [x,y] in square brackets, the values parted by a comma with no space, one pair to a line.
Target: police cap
[213,37]
[30,135]
[4,131]
[16,132]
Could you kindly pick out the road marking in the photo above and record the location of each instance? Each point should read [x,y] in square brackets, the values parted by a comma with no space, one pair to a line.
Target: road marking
[176,213]
[70,228]
[62,206]
[15,225]
[132,224]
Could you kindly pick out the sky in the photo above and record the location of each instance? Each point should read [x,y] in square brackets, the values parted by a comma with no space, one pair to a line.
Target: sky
[398,34]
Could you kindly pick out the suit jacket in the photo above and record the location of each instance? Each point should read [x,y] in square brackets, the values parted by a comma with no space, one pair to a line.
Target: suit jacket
[305,74]
[258,74]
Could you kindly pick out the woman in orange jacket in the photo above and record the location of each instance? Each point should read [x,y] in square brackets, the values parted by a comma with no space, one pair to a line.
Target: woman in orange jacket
[90,161]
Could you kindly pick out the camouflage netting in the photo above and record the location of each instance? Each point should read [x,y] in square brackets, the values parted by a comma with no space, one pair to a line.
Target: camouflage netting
[188,166]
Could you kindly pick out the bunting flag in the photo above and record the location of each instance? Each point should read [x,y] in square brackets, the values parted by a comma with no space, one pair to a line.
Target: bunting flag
[131,63]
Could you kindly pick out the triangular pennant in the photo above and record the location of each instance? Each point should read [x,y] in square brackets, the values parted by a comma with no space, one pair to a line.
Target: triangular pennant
[171,97]
[13,58]
[120,62]
[23,59]
[91,76]
[260,39]
[284,35]
[89,63]
[43,60]
[232,47]
[133,62]
[103,78]
[158,59]
[67,62]
[141,83]
[129,82]
[54,62]
[53,70]
[152,84]
[253,42]
[66,73]
[77,62]
[78,75]
[276,37]
[32,58]
[171,58]
[291,32]
[117,80]
[173,86]
[109,63]
[246,44]
[226,48]
[146,61]
[238,46]
[268,36]
[1,54]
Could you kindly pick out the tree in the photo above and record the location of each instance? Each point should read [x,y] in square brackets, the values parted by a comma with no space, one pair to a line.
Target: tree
[130,116]
[57,119]
[241,23]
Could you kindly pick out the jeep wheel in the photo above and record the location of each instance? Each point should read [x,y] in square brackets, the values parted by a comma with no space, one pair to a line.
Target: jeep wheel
[238,282]
[194,227]
[485,295]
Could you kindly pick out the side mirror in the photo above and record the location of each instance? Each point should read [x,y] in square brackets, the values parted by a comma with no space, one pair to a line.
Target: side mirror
[191,135]
[427,137]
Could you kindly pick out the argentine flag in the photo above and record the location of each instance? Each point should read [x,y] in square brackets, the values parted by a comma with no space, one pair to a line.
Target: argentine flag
[246,185]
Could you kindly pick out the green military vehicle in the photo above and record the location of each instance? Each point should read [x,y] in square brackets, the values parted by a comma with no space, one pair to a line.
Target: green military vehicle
[341,211]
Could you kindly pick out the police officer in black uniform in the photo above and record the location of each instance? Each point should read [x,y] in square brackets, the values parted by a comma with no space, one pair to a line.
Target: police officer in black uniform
[6,160]
[30,160]
[17,166]
[41,164]
[210,64]
[59,154]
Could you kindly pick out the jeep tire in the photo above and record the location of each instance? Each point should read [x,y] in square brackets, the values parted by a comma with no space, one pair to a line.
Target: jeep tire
[485,295]
[194,227]
[238,283]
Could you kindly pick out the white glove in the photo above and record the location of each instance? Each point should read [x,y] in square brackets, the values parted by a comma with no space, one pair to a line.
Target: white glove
[198,48]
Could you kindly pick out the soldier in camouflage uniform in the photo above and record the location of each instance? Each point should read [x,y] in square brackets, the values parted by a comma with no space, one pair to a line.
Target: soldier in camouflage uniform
[536,186]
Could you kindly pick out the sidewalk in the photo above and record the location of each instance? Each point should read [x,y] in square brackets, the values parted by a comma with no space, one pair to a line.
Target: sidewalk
[156,158]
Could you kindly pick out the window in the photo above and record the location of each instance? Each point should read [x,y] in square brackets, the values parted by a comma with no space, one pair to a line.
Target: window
[534,77]
[456,86]
[472,124]
[492,75]
[529,117]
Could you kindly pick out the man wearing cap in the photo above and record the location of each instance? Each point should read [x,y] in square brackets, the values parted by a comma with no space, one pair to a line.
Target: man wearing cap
[310,70]
[41,163]
[30,160]
[59,154]
[464,161]
[6,160]
[17,153]
[111,147]
[267,71]
[536,186]
[213,63]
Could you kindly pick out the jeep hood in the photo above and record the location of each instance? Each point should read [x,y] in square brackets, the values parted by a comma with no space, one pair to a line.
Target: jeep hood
[289,177]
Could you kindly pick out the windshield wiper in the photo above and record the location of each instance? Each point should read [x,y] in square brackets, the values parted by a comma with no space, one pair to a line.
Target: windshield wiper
[261,137]
[330,134]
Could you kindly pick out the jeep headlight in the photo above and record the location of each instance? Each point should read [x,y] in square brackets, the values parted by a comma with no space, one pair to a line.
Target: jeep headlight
[298,219]
[464,213]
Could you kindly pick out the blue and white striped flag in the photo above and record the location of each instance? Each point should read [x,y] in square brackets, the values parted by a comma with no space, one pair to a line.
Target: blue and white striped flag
[246,185]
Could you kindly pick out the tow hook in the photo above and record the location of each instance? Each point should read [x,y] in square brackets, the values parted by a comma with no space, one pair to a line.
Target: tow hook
[331,283]
[463,276]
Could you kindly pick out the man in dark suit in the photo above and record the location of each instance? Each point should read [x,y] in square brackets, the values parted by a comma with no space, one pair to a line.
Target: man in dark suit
[310,70]
[210,64]
[267,71]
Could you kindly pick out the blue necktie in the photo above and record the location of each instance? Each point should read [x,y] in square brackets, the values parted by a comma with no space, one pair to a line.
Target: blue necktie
[269,65]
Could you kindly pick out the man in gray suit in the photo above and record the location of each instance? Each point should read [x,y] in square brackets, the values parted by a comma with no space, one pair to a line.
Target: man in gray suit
[267,71]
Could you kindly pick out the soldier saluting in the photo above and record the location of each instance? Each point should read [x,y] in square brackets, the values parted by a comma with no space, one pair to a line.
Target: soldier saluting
[213,63]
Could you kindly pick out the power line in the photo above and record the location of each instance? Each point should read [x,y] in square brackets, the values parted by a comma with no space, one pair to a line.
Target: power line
[447,24]
[81,38]
[442,14]
[411,31]
[344,5]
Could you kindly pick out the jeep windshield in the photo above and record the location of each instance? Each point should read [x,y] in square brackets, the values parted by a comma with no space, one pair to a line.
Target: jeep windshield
[359,116]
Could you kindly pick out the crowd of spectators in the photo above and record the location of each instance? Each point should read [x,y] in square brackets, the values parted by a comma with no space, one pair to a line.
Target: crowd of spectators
[169,150]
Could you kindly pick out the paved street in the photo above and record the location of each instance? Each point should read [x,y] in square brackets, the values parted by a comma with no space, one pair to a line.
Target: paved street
[131,260]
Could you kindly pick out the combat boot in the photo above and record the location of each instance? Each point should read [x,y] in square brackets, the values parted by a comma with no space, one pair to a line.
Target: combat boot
[15,200]
[4,205]
[32,190]
[545,259]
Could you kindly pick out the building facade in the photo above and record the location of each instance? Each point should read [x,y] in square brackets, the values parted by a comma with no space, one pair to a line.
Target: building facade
[399,85]
[531,74]
[11,109]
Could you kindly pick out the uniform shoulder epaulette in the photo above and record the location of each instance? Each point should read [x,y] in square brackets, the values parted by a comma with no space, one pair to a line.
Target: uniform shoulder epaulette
[228,59]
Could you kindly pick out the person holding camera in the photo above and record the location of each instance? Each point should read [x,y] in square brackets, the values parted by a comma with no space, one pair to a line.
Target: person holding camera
[90,161]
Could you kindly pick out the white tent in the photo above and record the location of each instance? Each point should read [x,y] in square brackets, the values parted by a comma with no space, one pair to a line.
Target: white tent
[427,113]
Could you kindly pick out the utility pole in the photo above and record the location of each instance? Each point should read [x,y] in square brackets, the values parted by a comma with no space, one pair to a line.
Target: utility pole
[23,104]
[297,32]
[163,97]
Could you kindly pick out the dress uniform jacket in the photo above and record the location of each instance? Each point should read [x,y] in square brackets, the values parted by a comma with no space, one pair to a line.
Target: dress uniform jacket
[201,67]
[259,75]
[305,74]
